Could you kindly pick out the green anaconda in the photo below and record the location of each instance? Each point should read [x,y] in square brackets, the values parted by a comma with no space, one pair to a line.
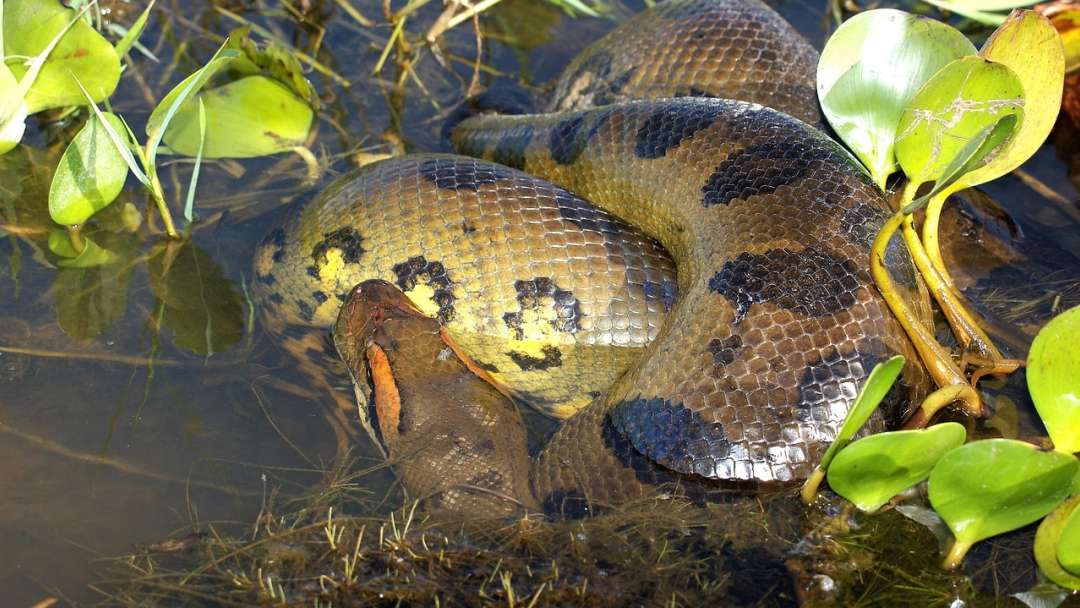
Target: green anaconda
[536,253]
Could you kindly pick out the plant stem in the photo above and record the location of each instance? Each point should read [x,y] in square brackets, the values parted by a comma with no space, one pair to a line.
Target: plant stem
[938,399]
[964,326]
[75,236]
[956,554]
[310,162]
[810,488]
[163,209]
[930,235]
[937,360]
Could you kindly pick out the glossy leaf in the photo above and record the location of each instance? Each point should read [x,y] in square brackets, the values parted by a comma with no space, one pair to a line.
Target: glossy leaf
[870,68]
[1059,533]
[272,60]
[253,116]
[30,26]
[989,487]
[1030,46]
[90,175]
[1053,378]
[1068,553]
[91,255]
[874,469]
[12,111]
[175,99]
[877,385]
[962,99]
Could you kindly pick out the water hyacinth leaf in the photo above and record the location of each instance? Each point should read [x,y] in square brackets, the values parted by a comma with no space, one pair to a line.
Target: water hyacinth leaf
[274,60]
[877,385]
[1068,553]
[90,175]
[168,107]
[989,487]
[91,255]
[874,469]
[31,26]
[253,116]
[1030,46]
[12,111]
[1050,539]
[1053,379]
[957,103]
[871,67]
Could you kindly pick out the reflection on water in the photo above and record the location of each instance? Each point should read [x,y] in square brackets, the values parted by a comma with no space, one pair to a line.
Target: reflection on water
[141,400]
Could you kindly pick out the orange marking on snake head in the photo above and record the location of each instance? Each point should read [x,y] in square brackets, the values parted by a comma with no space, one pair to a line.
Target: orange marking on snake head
[387,397]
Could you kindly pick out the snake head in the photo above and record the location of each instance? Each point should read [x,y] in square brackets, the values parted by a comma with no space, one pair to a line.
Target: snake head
[361,326]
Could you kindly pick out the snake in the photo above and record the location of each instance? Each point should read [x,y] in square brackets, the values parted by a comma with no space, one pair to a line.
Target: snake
[671,257]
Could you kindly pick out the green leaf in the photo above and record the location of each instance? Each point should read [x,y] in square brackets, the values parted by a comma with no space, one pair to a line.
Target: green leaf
[958,102]
[972,155]
[1068,553]
[163,114]
[253,116]
[131,37]
[873,391]
[12,111]
[1059,533]
[1053,378]
[30,26]
[272,59]
[90,175]
[870,68]
[872,470]
[91,255]
[993,486]
[1030,46]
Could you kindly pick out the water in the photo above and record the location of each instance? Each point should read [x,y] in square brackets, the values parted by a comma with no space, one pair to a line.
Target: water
[137,403]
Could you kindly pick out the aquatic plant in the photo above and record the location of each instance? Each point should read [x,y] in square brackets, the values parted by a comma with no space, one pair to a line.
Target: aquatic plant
[266,106]
[952,119]
[987,487]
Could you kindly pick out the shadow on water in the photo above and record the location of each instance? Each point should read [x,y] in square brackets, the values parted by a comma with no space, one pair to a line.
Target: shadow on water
[143,411]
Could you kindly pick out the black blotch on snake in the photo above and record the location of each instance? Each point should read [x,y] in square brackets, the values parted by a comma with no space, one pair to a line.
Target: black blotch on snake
[532,295]
[724,351]
[433,274]
[571,136]
[347,240]
[810,282]
[762,169]
[460,174]
[552,358]
[671,434]
[668,126]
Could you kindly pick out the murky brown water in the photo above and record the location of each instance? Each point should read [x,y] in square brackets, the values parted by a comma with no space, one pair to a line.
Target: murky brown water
[135,402]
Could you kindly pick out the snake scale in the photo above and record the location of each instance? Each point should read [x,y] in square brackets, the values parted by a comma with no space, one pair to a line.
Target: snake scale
[549,253]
